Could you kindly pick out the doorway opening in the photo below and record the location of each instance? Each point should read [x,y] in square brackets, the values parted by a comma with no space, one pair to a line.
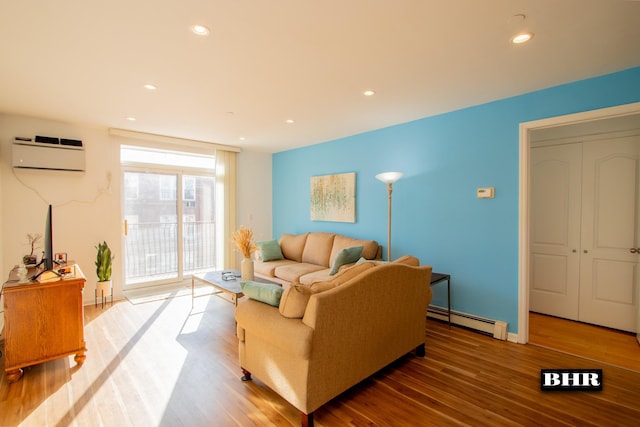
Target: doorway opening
[591,119]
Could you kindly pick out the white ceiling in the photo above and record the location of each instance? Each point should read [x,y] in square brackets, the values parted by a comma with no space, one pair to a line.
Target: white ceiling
[266,61]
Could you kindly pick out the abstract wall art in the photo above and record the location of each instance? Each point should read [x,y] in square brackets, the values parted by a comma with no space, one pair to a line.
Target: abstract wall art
[333,197]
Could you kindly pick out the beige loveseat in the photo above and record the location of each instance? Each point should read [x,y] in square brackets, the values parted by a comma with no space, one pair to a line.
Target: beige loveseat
[308,257]
[337,333]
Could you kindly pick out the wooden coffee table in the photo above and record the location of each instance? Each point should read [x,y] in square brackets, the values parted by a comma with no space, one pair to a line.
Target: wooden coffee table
[226,282]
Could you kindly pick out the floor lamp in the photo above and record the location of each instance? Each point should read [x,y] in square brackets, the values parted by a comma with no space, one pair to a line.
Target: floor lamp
[389,178]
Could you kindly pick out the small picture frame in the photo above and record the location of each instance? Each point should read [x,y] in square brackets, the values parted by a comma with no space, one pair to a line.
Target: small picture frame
[60,258]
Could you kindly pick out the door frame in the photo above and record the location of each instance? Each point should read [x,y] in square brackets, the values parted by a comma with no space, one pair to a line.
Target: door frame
[524,196]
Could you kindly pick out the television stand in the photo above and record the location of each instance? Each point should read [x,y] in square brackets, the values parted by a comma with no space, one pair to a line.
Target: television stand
[44,269]
[42,321]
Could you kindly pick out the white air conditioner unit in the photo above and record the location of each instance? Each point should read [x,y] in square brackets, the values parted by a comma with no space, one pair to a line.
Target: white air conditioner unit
[48,153]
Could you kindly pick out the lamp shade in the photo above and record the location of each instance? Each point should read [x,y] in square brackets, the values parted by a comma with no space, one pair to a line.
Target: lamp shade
[389,177]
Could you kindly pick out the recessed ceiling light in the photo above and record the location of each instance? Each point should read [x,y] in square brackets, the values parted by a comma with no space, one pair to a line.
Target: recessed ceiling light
[200,30]
[131,119]
[369,93]
[289,121]
[521,38]
[242,138]
[149,86]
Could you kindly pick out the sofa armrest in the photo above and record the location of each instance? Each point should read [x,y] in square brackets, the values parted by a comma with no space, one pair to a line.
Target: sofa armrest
[265,323]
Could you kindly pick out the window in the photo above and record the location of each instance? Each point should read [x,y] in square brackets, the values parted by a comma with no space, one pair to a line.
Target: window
[131,187]
[167,187]
[189,188]
[161,186]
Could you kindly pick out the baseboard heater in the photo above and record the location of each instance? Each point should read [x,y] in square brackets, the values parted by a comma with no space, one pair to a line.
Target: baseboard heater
[495,328]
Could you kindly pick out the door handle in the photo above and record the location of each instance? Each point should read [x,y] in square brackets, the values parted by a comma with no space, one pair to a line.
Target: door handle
[635,250]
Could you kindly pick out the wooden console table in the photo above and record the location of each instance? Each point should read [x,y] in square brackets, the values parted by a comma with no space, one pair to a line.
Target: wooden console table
[42,321]
[437,278]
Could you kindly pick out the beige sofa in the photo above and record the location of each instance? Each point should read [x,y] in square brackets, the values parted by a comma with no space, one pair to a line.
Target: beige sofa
[336,333]
[308,257]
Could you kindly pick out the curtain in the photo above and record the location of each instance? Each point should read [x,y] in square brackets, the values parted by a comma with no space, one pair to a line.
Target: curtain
[226,208]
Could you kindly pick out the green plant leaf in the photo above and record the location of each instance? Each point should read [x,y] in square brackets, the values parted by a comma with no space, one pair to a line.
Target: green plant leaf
[103,262]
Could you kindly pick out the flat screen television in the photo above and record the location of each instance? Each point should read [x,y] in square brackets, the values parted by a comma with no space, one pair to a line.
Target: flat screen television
[47,257]
[47,262]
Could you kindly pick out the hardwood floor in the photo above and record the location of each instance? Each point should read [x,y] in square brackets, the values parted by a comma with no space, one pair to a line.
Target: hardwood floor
[592,342]
[161,364]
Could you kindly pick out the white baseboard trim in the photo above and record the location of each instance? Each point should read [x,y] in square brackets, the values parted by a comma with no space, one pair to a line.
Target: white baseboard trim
[511,337]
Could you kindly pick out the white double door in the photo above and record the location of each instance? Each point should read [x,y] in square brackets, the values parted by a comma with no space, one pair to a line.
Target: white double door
[585,231]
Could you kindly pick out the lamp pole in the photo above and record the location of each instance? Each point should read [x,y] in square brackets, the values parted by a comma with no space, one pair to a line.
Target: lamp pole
[389,191]
[389,178]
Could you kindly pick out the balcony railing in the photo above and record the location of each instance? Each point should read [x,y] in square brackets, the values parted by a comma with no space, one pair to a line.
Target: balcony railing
[151,250]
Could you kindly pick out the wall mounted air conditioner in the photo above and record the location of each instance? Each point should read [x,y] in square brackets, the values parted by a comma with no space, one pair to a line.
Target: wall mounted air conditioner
[49,153]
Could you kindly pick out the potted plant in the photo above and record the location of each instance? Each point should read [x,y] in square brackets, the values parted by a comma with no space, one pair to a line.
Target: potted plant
[103,269]
[33,240]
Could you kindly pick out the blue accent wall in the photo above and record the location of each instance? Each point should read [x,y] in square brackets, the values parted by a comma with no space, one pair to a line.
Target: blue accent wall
[436,215]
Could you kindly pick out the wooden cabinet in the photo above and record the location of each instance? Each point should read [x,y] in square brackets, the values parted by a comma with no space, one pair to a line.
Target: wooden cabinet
[42,322]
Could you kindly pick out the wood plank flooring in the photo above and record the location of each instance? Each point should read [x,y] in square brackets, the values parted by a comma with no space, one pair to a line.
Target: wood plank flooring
[590,341]
[161,364]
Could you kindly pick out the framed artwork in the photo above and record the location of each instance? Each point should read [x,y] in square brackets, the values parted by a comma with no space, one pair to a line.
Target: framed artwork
[333,197]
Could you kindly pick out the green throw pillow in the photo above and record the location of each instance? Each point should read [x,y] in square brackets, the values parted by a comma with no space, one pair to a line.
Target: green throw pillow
[345,256]
[270,250]
[267,293]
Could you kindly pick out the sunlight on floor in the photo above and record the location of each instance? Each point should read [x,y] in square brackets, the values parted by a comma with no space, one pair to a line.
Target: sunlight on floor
[127,362]
[192,322]
[143,361]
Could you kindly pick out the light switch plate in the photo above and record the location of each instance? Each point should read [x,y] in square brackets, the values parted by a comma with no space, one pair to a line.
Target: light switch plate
[486,193]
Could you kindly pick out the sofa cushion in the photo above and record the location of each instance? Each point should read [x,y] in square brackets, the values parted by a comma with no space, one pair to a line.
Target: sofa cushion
[342,277]
[293,245]
[407,260]
[317,249]
[269,268]
[263,292]
[294,301]
[345,256]
[369,247]
[293,271]
[269,250]
[316,276]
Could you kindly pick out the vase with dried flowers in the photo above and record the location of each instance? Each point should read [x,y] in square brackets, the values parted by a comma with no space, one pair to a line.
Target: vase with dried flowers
[33,240]
[243,239]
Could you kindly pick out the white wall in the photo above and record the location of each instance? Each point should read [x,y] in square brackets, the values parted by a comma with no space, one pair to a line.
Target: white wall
[86,209]
[254,193]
